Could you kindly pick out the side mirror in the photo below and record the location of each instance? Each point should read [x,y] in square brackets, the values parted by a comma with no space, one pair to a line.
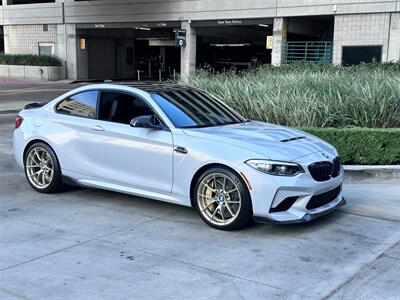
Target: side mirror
[146,122]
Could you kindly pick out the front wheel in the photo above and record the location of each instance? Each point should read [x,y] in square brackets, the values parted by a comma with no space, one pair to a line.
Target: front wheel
[222,199]
[42,169]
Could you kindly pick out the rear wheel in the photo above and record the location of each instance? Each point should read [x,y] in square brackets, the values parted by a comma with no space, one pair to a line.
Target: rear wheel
[42,169]
[222,199]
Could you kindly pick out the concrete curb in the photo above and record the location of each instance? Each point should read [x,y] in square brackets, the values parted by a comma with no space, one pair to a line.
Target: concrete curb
[372,174]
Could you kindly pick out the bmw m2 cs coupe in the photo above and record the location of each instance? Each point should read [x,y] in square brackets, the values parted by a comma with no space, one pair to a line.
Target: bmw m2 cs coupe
[181,145]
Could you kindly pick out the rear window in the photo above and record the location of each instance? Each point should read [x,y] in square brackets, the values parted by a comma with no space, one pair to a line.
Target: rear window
[79,105]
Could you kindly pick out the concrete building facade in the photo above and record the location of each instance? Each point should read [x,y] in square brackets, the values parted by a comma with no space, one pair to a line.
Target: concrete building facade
[129,39]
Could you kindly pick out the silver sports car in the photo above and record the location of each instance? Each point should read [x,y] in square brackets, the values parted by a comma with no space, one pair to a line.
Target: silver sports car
[181,145]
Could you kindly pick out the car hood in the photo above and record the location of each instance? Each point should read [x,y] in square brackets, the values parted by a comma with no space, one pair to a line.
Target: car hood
[268,140]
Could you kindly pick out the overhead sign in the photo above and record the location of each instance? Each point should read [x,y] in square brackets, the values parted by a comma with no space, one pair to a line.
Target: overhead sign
[128,25]
[234,22]
[229,22]
[180,37]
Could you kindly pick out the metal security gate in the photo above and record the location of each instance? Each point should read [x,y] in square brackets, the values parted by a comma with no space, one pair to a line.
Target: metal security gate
[318,52]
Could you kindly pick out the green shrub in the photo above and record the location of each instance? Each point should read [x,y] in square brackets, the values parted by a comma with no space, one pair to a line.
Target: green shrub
[311,95]
[29,60]
[363,146]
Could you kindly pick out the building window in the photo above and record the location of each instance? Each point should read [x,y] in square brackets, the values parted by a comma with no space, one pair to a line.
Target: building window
[354,55]
[16,2]
[46,49]
[45,27]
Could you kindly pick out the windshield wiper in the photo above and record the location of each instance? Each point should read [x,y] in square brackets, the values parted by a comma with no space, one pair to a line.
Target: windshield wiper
[195,126]
[232,123]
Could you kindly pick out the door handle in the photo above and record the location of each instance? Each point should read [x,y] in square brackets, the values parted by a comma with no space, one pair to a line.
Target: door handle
[97,128]
[181,150]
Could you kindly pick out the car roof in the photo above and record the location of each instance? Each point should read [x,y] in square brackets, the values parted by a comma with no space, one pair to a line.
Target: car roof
[154,87]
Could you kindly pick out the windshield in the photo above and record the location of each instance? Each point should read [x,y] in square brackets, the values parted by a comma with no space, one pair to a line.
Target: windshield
[195,109]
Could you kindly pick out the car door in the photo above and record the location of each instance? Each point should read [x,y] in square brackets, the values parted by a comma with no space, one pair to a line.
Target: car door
[130,156]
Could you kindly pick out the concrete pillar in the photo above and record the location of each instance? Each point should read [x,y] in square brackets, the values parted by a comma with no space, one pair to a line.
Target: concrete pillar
[394,38]
[67,46]
[61,35]
[6,39]
[279,41]
[188,53]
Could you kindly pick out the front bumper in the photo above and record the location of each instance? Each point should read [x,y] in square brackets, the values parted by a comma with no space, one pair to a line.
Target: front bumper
[268,192]
[308,217]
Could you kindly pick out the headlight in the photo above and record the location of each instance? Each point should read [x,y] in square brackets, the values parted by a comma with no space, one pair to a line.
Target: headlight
[277,168]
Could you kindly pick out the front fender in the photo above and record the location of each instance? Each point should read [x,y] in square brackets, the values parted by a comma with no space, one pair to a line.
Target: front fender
[199,155]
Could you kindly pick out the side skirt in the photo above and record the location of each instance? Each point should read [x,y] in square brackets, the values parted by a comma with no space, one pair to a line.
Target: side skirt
[69,181]
[170,198]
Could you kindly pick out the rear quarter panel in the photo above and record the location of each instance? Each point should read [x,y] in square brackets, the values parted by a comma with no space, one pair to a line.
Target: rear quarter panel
[27,132]
[64,134]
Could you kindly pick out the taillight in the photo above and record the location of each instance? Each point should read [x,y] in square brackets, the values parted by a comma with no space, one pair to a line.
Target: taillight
[18,121]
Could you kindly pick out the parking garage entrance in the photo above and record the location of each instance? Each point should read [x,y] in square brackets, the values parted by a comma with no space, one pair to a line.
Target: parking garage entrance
[144,51]
[233,44]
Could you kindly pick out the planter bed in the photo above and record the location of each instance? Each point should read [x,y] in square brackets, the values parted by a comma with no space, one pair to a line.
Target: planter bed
[45,73]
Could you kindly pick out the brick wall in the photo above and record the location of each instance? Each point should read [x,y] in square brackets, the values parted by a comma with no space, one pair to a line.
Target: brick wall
[24,39]
[361,30]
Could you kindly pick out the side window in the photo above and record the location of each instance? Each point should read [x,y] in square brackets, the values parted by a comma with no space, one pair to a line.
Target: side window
[80,105]
[121,108]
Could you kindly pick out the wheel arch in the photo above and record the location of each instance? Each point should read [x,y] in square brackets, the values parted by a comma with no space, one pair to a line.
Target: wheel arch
[209,166]
[34,141]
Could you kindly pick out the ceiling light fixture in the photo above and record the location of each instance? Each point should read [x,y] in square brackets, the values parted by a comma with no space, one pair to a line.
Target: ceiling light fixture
[142,28]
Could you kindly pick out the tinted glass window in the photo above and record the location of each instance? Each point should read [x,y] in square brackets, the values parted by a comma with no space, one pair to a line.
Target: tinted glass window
[80,105]
[361,54]
[122,108]
[191,109]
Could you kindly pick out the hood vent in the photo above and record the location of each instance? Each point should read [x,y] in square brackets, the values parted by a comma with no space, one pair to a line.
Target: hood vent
[293,139]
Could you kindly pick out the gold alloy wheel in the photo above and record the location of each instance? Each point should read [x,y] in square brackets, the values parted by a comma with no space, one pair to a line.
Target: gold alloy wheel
[218,198]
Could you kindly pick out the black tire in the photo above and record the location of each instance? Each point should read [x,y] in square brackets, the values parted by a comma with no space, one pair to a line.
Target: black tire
[56,183]
[244,214]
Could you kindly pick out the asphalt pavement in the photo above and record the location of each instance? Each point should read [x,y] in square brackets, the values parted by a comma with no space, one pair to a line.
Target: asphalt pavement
[94,244]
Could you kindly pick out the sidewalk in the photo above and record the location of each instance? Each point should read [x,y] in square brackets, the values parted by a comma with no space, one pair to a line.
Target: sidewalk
[14,81]
[4,80]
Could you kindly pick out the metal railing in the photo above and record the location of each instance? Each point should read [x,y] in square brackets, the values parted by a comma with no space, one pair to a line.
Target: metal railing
[318,52]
